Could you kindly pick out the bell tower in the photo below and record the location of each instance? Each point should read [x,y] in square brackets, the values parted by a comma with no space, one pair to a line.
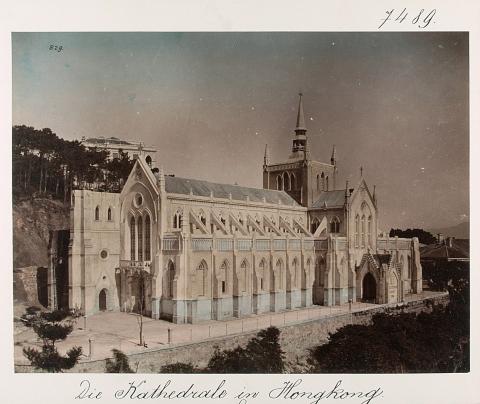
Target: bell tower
[300,176]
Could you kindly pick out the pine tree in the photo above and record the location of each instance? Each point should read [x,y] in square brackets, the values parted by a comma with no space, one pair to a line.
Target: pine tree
[51,327]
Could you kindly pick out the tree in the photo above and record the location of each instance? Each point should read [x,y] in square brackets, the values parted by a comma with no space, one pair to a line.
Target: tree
[262,354]
[51,327]
[141,277]
[179,367]
[423,236]
[119,364]
[398,343]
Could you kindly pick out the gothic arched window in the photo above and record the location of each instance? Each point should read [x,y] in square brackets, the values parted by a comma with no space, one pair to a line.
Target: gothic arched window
[202,218]
[261,274]
[357,230]
[109,214]
[335,225]
[286,182]
[147,238]
[243,276]
[201,273]
[140,238]
[293,182]
[314,225]
[132,239]
[323,181]
[363,231]
[278,274]
[279,183]
[177,220]
[370,231]
[224,276]
[170,278]
[97,213]
[295,273]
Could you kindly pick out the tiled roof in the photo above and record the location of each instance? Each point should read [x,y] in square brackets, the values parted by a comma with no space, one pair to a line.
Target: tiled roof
[330,199]
[184,186]
[457,250]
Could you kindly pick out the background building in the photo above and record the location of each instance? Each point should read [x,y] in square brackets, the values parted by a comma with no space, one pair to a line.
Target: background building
[114,146]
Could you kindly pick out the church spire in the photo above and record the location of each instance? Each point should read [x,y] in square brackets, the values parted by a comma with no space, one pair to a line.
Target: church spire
[299,148]
[266,156]
[300,116]
[333,159]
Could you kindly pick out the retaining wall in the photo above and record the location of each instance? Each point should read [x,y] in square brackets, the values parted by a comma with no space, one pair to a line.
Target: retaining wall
[295,340]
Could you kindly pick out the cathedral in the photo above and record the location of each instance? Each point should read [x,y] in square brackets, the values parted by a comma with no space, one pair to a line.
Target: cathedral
[188,250]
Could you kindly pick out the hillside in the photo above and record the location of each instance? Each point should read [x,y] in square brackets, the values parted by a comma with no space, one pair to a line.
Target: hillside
[461,230]
[32,221]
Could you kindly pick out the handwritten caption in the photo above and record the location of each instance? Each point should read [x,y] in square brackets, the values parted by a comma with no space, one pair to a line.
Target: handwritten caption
[420,18]
[220,391]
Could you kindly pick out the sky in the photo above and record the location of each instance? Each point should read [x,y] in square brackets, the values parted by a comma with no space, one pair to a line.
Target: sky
[395,104]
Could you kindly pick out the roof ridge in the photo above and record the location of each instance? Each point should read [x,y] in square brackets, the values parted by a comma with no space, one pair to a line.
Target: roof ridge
[230,185]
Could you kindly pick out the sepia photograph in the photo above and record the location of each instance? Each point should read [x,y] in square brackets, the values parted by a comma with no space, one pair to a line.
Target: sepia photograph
[241,202]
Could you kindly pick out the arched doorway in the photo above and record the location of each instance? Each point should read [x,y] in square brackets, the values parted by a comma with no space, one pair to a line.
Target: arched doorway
[102,300]
[369,288]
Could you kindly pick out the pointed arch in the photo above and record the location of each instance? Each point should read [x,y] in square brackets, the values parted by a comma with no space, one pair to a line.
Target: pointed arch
[202,217]
[318,182]
[201,278]
[148,230]
[169,278]
[140,238]
[243,275]
[357,230]
[97,213]
[293,182]
[278,274]
[369,230]
[306,273]
[323,181]
[109,213]
[279,182]
[314,225]
[178,219]
[294,274]
[286,181]
[326,183]
[223,276]
[261,274]
[133,228]
[335,225]
[363,230]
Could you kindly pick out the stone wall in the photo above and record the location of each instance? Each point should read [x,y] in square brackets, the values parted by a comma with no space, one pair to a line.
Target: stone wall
[295,340]
[30,286]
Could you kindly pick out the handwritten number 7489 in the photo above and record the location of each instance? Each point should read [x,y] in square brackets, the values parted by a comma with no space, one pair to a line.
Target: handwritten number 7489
[415,18]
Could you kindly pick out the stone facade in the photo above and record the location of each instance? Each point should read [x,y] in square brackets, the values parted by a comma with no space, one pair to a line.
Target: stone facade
[187,250]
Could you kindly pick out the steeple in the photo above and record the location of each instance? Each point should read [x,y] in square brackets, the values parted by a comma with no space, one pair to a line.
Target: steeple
[333,159]
[300,117]
[299,148]
[266,157]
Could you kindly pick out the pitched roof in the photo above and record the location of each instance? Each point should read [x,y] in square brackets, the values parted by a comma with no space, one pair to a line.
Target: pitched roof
[330,199]
[457,250]
[183,186]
